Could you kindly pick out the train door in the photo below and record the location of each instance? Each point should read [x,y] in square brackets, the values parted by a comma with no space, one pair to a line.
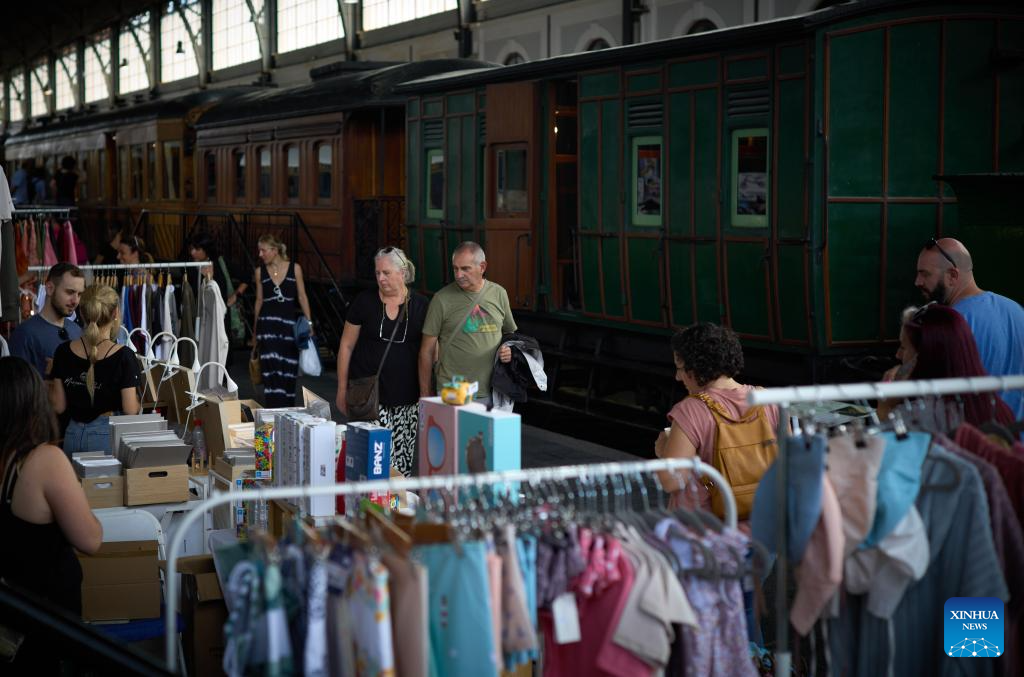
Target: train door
[511,200]
[562,189]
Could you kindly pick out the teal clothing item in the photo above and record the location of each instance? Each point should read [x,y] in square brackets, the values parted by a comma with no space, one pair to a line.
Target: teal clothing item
[461,633]
[526,547]
[998,327]
[899,480]
[806,467]
[35,340]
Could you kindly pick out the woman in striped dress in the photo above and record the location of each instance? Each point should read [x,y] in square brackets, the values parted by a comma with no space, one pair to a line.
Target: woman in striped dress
[280,293]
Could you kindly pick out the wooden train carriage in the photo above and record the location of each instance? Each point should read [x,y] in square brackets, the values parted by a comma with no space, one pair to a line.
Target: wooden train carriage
[777,177]
[129,160]
[303,161]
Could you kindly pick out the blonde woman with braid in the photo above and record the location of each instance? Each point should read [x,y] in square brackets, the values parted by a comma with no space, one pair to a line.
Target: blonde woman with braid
[94,377]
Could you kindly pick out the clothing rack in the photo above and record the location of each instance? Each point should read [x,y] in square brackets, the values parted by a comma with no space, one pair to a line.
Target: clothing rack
[448,482]
[784,397]
[130,266]
[42,210]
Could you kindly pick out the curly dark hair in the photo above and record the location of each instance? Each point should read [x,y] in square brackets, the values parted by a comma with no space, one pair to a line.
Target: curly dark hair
[709,351]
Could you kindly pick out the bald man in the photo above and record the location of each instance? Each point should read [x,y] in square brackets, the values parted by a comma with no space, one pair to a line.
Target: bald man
[945,274]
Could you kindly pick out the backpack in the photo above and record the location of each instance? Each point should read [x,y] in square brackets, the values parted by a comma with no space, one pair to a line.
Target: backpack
[744,449]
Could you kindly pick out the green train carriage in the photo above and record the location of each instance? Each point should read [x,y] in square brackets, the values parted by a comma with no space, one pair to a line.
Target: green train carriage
[777,177]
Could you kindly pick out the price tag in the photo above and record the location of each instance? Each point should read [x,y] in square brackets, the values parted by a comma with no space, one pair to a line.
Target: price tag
[567,618]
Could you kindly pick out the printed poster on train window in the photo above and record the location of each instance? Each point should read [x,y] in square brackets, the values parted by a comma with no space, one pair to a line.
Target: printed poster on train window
[647,181]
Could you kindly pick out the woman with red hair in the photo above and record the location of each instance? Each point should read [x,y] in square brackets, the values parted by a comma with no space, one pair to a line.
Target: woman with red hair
[943,346]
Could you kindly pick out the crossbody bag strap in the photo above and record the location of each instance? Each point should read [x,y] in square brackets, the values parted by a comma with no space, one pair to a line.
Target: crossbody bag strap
[472,305]
[398,321]
[718,411]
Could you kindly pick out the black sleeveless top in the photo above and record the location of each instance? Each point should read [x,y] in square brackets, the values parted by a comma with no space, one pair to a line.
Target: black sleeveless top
[38,557]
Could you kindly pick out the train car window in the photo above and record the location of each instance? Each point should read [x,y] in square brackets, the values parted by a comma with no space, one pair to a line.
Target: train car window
[123,172]
[151,171]
[239,163]
[646,178]
[172,170]
[83,175]
[435,183]
[324,173]
[136,171]
[750,188]
[292,175]
[101,180]
[265,181]
[303,23]
[510,181]
[211,176]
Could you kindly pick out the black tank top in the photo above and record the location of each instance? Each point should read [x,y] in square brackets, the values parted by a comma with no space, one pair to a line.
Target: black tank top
[38,557]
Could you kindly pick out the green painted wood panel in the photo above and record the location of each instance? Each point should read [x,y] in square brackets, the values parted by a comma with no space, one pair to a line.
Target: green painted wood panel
[792,299]
[433,258]
[413,235]
[705,166]
[461,103]
[590,133]
[452,170]
[679,177]
[415,166]
[909,227]
[412,108]
[471,183]
[693,73]
[599,84]
[1011,102]
[680,276]
[614,288]
[589,253]
[792,60]
[706,280]
[433,108]
[913,108]
[747,68]
[612,188]
[854,240]
[643,82]
[746,286]
[789,177]
[970,97]
[855,114]
[645,288]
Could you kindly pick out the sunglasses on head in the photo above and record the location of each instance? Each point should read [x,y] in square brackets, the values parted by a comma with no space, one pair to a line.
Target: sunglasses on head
[932,242]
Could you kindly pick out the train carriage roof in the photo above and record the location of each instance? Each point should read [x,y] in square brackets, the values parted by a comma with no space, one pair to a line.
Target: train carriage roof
[337,87]
[738,36]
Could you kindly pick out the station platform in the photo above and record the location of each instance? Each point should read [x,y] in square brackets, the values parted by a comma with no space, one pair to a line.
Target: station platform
[541,448]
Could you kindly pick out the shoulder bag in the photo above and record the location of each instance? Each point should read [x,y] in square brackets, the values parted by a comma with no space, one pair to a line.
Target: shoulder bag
[363,394]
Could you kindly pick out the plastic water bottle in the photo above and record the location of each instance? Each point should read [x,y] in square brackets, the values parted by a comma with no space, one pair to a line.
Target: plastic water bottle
[199,444]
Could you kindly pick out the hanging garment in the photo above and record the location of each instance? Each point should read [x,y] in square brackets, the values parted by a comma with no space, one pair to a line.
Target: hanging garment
[6,203]
[370,607]
[167,308]
[9,294]
[853,473]
[49,255]
[213,339]
[186,354]
[819,574]
[275,337]
[35,255]
[21,247]
[410,608]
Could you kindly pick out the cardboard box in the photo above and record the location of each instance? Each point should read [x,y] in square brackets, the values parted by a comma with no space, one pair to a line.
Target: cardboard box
[175,390]
[438,436]
[121,581]
[488,441]
[204,613]
[104,492]
[217,416]
[156,484]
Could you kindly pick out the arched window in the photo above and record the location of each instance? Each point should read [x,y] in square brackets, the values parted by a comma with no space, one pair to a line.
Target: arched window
[292,175]
[265,180]
[702,26]
[324,171]
[596,44]
[239,163]
[514,58]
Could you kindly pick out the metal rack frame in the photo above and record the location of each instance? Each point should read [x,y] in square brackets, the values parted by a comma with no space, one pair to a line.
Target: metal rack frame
[448,482]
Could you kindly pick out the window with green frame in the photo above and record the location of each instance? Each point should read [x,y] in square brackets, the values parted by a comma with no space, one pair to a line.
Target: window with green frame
[435,183]
[646,178]
[750,175]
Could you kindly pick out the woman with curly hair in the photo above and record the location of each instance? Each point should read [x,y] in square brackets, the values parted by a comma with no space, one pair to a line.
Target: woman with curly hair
[707,358]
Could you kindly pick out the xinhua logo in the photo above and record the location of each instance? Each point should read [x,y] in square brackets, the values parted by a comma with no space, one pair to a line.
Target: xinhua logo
[973,627]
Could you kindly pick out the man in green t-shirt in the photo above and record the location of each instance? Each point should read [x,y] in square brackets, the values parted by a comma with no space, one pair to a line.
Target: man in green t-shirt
[465,322]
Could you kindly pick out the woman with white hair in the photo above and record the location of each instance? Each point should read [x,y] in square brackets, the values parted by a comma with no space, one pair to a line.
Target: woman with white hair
[382,335]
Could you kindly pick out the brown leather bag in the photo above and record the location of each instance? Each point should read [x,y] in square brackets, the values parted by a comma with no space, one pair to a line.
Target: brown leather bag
[744,448]
[255,370]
